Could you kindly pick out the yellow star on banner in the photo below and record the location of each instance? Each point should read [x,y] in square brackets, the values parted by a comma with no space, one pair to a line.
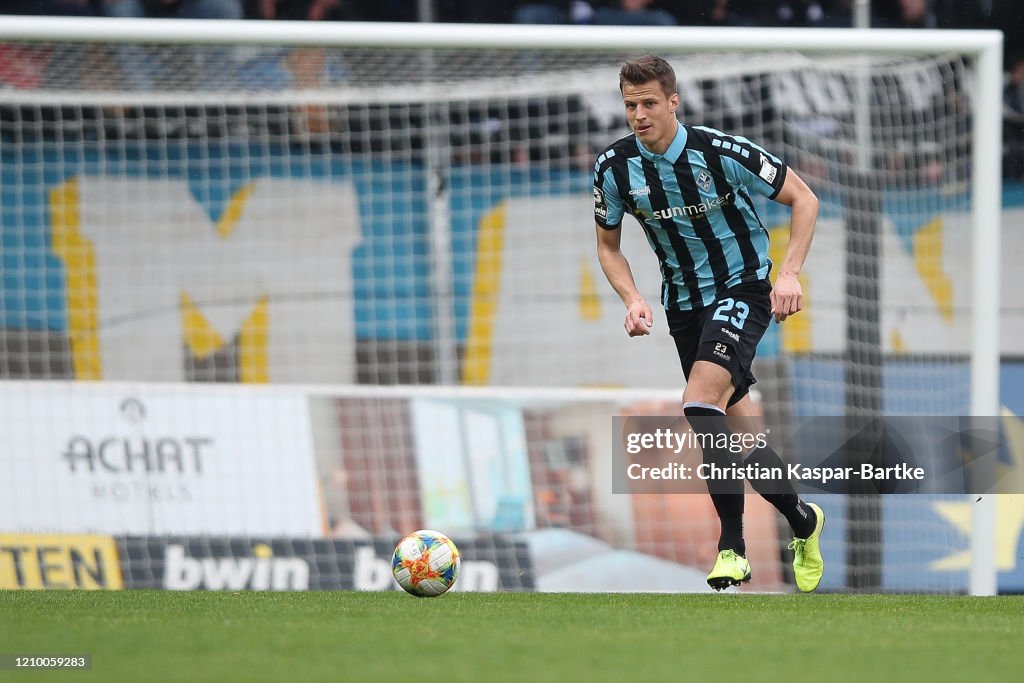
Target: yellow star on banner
[1009,508]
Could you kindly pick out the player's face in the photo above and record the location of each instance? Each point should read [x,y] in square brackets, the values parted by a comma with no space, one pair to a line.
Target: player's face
[651,113]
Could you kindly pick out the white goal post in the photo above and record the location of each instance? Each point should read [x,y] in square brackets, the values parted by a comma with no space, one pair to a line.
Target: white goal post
[985,48]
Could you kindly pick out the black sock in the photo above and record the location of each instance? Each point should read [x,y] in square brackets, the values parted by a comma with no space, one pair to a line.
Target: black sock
[708,422]
[781,494]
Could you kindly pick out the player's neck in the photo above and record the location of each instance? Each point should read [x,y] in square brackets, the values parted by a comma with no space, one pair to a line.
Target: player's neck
[662,145]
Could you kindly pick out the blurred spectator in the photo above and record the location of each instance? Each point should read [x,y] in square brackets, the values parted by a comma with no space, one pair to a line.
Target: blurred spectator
[1013,122]
[916,14]
[963,13]
[144,69]
[799,13]
[632,13]
[177,9]
[30,65]
[54,8]
[1013,94]
[747,12]
[726,13]
[837,14]
[306,67]
[298,10]
[607,13]
[1008,15]
[24,66]
[564,12]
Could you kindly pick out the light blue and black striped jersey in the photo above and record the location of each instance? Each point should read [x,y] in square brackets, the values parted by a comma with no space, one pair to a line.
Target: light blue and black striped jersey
[694,204]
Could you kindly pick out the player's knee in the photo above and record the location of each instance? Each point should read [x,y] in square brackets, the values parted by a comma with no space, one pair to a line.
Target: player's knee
[704,418]
[708,422]
[708,383]
[704,397]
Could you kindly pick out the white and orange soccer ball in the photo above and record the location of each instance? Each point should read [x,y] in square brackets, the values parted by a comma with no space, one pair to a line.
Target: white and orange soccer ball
[426,563]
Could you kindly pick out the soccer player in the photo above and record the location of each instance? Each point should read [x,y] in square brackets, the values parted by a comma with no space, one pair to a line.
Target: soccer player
[690,189]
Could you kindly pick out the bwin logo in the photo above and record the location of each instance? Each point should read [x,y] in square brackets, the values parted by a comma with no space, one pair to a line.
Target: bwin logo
[260,572]
[693,210]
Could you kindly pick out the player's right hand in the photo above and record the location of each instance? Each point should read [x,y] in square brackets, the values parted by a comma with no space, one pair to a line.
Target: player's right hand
[639,319]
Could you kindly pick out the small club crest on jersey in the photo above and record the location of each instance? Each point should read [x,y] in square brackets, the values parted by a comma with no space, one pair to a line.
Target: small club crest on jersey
[704,180]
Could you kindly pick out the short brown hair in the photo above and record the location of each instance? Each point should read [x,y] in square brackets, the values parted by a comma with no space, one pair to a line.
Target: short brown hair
[646,69]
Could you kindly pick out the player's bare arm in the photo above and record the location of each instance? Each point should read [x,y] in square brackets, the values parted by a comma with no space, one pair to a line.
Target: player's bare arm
[787,295]
[639,317]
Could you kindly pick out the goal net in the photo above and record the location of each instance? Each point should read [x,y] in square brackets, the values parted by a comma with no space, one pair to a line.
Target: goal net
[326,211]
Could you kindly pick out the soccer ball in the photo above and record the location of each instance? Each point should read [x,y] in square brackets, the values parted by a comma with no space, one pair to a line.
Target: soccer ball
[426,563]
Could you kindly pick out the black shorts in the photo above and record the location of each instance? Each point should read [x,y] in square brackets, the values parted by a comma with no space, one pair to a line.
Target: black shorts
[725,333]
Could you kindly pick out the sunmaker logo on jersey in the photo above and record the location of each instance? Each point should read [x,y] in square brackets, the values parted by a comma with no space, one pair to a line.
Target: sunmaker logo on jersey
[694,210]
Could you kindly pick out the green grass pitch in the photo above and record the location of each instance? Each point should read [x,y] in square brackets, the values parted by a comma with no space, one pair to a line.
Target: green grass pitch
[297,637]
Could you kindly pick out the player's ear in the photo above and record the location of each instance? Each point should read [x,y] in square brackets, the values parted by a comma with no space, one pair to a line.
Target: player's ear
[673,102]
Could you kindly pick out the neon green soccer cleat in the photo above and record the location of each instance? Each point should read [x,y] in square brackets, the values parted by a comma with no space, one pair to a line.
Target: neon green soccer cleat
[730,570]
[807,563]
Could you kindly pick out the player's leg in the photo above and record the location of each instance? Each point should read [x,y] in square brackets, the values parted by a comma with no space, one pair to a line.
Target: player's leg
[730,331]
[780,493]
[719,384]
[707,392]
[708,388]
[805,519]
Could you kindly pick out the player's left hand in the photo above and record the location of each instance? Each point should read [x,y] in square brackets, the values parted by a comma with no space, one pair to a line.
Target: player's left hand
[787,296]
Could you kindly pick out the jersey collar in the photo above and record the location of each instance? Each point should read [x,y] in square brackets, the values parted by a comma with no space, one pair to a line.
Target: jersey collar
[674,151]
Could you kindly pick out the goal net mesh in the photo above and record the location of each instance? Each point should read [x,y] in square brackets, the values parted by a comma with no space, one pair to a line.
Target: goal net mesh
[408,216]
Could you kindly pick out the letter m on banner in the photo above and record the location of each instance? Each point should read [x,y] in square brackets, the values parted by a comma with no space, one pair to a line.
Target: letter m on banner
[159,290]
